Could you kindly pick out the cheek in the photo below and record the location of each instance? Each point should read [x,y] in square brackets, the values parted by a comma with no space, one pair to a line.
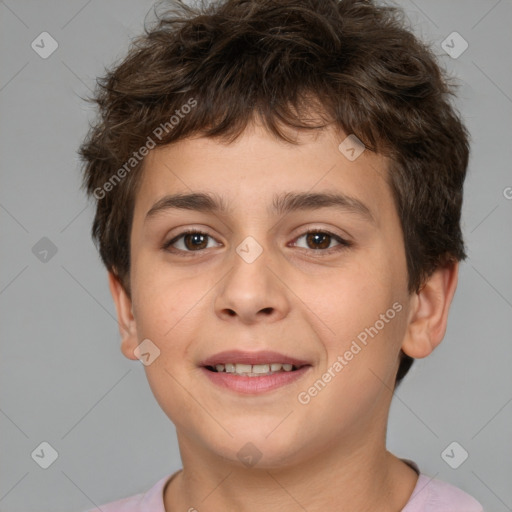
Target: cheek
[361,360]
[163,300]
[166,313]
[365,313]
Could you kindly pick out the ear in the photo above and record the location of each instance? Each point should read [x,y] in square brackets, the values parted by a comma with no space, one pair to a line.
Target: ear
[125,319]
[429,312]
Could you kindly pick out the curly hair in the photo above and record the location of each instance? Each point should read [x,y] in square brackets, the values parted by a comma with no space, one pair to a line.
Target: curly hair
[355,63]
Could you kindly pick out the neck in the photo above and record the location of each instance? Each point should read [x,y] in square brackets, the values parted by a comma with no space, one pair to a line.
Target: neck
[363,477]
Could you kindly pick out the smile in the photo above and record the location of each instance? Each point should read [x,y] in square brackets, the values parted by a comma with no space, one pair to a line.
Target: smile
[254,370]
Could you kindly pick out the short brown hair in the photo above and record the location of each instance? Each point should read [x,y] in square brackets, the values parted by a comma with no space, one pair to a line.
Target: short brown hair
[356,63]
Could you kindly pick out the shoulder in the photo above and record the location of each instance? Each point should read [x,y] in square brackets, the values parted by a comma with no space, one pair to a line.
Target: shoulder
[150,500]
[432,495]
[130,504]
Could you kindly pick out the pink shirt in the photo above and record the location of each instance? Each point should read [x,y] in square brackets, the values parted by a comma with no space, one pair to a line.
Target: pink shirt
[429,495]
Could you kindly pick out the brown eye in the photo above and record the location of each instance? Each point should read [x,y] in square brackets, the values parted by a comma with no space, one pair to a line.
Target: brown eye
[317,240]
[195,241]
[320,240]
[188,241]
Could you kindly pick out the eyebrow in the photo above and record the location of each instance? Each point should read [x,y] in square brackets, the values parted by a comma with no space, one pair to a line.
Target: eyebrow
[281,203]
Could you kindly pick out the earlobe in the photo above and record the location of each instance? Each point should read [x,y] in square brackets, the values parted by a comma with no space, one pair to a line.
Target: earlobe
[429,312]
[125,318]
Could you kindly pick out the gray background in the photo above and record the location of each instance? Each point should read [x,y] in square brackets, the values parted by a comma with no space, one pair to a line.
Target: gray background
[63,377]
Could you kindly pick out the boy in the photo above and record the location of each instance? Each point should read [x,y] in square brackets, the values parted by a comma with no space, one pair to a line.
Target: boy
[279,187]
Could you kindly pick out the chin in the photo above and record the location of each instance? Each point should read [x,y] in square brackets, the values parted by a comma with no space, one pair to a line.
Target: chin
[255,448]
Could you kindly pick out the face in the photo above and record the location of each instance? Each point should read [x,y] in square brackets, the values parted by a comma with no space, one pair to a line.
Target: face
[321,283]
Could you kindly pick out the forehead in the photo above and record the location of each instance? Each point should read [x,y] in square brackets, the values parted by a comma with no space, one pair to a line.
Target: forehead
[263,175]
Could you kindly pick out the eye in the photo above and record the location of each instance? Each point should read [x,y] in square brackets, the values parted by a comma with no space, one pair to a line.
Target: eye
[321,240]
[194,241]
[188,241]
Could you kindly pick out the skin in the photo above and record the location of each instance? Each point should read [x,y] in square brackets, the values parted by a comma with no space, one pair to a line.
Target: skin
[294,299]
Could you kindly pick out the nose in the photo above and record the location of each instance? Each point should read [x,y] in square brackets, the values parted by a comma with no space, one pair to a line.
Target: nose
[252,292]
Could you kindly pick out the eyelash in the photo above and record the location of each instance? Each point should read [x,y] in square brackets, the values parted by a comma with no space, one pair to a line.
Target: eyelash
[343,244]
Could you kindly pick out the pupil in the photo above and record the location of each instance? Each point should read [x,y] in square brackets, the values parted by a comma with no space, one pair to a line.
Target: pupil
[314,238]
[195,237]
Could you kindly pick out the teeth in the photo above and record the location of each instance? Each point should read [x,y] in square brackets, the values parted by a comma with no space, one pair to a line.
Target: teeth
[260,368]
[253,370]
[242,368]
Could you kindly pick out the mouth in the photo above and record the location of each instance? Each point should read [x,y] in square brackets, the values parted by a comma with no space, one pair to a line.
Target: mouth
[253,372]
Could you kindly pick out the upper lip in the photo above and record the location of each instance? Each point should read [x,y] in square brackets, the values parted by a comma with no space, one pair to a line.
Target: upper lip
[261,357]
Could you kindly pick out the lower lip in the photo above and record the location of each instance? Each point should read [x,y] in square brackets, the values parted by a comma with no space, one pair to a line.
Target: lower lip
[255,385]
